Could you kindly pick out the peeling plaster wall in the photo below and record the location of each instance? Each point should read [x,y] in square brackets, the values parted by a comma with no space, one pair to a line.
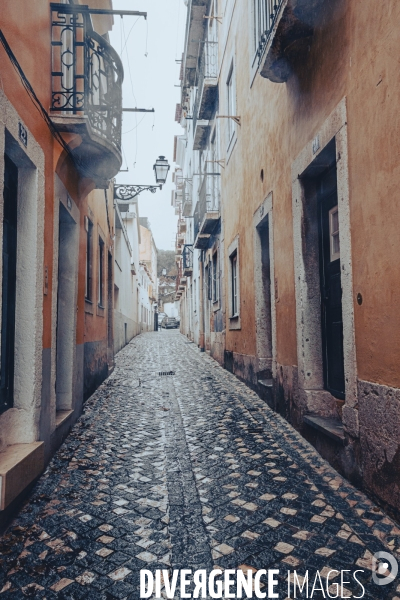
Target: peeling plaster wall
[379,415]
[95,366]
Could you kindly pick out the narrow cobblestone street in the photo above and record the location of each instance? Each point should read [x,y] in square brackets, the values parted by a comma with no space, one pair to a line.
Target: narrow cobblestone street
[176,464]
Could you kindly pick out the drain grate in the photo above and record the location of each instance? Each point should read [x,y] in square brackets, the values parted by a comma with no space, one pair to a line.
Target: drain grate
[166,373]
[255,429]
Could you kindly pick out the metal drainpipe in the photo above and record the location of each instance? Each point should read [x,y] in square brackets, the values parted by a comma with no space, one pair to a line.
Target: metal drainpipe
[201,304]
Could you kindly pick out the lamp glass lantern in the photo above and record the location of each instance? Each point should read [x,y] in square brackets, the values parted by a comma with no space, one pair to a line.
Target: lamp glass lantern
[161,168]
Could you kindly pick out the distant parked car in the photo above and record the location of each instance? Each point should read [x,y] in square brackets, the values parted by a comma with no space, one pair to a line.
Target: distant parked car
[170,323]
[161,317]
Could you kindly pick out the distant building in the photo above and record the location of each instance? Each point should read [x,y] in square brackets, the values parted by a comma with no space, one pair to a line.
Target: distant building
[127,317]
[148,276]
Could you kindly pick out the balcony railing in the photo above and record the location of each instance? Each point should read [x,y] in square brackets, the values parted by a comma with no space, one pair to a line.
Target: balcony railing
[207,83]
[187,198]
[284,29]
[87,76]
[187,256]
[207,215]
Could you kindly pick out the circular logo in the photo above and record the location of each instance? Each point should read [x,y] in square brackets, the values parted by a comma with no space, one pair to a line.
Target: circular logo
[384,568]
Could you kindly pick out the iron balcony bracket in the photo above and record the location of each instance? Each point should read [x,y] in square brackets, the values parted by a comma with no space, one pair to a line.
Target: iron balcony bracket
[123,194]
[72,8]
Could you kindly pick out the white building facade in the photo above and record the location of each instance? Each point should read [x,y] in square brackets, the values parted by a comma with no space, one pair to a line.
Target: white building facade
[197,195]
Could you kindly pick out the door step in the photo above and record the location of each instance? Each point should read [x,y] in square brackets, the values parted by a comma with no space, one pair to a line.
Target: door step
[266,383]
[331,427]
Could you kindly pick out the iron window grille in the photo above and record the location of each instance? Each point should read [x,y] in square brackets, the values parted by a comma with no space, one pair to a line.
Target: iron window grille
[87,72]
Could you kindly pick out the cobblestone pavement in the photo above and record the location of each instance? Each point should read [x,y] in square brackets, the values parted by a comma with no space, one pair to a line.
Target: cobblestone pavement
[185,471]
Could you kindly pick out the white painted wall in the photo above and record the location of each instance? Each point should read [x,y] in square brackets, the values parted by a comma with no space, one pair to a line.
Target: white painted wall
[126,277]
[146,309]
[171,309]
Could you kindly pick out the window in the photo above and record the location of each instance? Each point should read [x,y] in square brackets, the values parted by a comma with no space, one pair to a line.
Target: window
[209,282]
[215,277]
[234,284]
[101,273]
[89,253]
[231,102]
[194,296]
[334,233]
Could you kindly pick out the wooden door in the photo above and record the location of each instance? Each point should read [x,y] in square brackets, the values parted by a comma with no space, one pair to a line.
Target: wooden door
[331,288]
[9,282]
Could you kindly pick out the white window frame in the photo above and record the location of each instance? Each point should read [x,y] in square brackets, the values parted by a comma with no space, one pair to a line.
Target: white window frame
[334,255]
[231,104]
[215,277]
[234,280]
[234,290]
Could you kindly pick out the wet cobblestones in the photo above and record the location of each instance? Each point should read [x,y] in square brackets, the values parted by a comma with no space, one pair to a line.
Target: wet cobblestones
[185,471]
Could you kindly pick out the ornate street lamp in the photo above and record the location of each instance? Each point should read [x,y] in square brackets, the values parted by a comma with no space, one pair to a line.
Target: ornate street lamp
[123,194]
[161,168]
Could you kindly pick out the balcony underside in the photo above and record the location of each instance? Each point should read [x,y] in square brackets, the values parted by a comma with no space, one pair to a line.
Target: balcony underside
[290,36]
[188,271]
[202,241]
[201,135]
[95,157]
[187,208]
[208,98]
[210,222]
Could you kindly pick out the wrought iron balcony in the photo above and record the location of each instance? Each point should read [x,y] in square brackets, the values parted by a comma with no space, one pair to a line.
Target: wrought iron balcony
[187,256]
[86,97]
[187,198]
[207,83]
[182,226]
[207,214]
[284,29]
[207,93]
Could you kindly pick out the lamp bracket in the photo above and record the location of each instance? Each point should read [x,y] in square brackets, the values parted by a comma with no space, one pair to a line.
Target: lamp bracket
[233,117]
[145,110]
[123,194]
[216,17]
[220,162]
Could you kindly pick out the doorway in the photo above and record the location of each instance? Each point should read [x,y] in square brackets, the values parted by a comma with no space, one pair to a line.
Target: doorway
[264,291]
[330,284]
[9,282]
[265,300]
[110,287]
[66,309]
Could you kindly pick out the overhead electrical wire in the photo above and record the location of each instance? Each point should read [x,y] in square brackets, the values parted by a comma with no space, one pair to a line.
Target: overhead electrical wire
[133,92]
[136,126]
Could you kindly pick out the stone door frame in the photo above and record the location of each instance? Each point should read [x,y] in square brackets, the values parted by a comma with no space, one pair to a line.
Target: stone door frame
[308,313]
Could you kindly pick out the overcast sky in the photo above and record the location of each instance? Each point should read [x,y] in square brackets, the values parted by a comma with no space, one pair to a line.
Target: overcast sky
[149,50]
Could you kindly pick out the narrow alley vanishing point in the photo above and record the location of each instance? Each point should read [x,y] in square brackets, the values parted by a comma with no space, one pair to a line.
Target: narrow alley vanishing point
[176,464]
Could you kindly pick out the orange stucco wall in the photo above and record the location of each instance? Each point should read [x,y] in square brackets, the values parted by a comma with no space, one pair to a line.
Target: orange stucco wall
[30,41]
[354,55]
